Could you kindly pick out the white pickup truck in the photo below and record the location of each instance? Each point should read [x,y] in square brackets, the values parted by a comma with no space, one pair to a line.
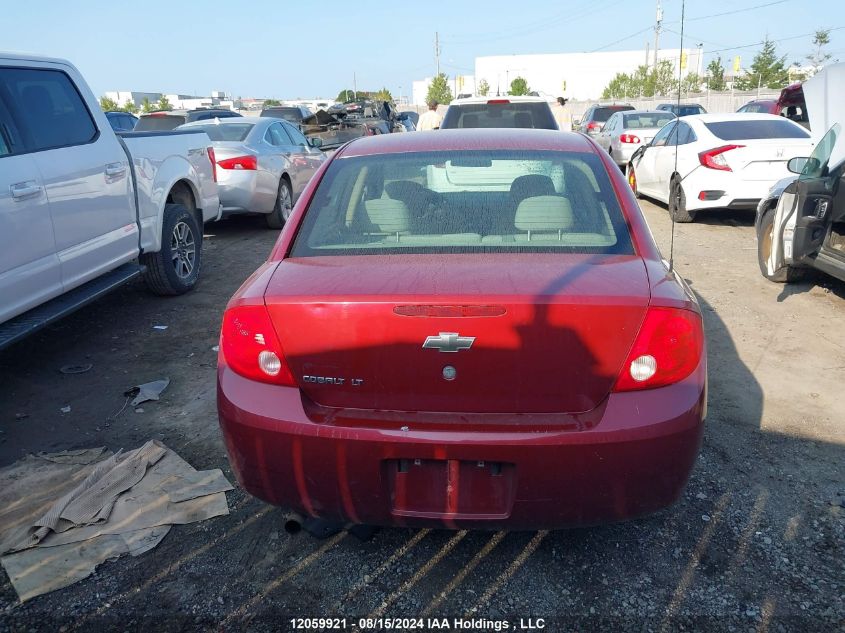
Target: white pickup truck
[82,209]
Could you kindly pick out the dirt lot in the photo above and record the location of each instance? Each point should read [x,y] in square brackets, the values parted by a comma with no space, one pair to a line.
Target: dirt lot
[755,544]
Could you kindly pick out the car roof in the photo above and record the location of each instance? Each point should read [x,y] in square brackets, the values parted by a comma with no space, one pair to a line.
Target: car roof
[468,139]
[627,112]
[610,104]
[733,116]
[487,99]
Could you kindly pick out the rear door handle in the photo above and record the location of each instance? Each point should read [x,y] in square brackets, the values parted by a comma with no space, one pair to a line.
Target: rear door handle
[21,190]
[115,169]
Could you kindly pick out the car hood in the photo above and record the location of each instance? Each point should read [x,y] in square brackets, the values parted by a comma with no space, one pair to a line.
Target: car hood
[825,97]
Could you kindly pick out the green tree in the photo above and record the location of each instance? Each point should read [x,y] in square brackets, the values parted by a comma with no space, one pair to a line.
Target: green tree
[345,96]
[272,102]
[164,103]
[819,58]
[108,104]
[130,107]
[716,75]
[483,88]
[383,95]
[691,83]
[519,87]
[146,106]
[767,70]
[439,90]
[663,80]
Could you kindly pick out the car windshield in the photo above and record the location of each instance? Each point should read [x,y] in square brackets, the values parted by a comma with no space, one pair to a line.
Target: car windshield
[499,115]
[211,114]
[468,201]
[647,120]
[689,110]
[816,166]
[603,113]
[757,108]
[225,131]
[754,129]
[159,122]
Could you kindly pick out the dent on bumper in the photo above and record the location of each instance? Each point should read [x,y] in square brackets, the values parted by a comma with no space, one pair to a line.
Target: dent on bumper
[634,461]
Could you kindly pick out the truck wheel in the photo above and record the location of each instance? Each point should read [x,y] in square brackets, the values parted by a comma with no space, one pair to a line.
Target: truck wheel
[284,205]
[765,235]
[175,269]
[678,202]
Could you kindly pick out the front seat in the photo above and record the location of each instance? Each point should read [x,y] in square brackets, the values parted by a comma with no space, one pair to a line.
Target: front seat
[529,186]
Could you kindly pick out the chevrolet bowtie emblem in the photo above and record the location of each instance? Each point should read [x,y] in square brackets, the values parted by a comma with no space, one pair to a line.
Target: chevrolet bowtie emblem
[448,342]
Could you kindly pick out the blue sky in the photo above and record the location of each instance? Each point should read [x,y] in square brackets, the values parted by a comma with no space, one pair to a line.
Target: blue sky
[284,49]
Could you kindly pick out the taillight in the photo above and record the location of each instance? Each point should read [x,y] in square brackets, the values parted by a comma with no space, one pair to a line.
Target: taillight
[250,346]
[667,349]
[629,138]
[213,162]
[493,101]
[241,162]
[592,125]
[714,158]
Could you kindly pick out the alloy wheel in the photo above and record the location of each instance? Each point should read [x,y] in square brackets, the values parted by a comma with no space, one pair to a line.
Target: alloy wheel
[183,250]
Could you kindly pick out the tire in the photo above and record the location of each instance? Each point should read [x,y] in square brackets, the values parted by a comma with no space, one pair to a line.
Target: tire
[678,202]
[765,232]
[284,205]
[631,177]
[175,269]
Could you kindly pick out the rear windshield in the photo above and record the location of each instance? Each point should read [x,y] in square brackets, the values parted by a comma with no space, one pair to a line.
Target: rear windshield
[159,122]
[756,129]
[758,108]
[603,113]
[225,132]
[648,120]
[211,114]
[492,115]
[464,202]
[288,114]
[690,110]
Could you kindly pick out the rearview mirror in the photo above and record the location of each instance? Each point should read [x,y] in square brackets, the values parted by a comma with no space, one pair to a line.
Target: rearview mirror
[315,141]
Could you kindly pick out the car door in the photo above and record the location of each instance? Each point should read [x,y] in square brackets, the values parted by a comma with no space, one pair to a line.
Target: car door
[277,159]
[806,208]
[664,164]
[604,137]
[647,165]
[306,158]
[29,268]
[85,174]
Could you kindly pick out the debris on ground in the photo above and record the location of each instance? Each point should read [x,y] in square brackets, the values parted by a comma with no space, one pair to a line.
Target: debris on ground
[65,409]
[62,514]
[76,369]
[159,327]
[147,391]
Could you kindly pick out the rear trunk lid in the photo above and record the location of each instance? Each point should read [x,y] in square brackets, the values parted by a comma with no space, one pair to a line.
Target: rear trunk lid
[534,334]
[765,159]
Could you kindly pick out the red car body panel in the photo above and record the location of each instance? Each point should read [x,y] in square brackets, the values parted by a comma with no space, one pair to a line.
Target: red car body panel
[530,435]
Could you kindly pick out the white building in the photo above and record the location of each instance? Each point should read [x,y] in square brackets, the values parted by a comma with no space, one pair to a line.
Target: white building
[579,76]
[122,96]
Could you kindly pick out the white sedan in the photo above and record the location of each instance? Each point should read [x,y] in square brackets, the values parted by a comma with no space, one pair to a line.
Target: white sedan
[716,161]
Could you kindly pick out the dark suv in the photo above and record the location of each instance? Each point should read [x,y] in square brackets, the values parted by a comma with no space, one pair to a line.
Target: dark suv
[164,120]
[597,115]
[292,114]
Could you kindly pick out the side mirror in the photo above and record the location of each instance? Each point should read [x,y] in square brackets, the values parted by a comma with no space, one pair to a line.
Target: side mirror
[315,141]
[576,121]
[796,165]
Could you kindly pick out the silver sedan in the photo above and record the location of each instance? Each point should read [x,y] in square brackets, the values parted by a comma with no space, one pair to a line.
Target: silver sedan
[263,165]
[626,131]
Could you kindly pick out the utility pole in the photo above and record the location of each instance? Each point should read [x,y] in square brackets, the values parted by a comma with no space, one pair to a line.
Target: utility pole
[647,51]
[437,52]
[657,26]
[354,87]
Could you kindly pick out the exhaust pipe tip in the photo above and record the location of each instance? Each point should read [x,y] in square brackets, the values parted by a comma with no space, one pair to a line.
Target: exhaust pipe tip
[292,522]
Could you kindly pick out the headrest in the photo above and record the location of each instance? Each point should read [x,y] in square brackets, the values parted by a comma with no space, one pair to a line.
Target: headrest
[389,215]
[544,213]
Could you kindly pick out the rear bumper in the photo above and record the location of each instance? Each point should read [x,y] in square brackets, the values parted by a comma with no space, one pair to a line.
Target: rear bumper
[634,461]
[239,192]
[738,193]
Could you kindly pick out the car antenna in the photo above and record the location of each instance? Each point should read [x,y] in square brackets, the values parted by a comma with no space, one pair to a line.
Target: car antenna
[675,170]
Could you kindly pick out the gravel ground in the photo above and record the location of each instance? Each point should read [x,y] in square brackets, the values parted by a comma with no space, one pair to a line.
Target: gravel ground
[755,544]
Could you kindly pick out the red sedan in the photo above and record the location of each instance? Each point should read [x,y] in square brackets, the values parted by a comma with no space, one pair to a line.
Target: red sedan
[464,328]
